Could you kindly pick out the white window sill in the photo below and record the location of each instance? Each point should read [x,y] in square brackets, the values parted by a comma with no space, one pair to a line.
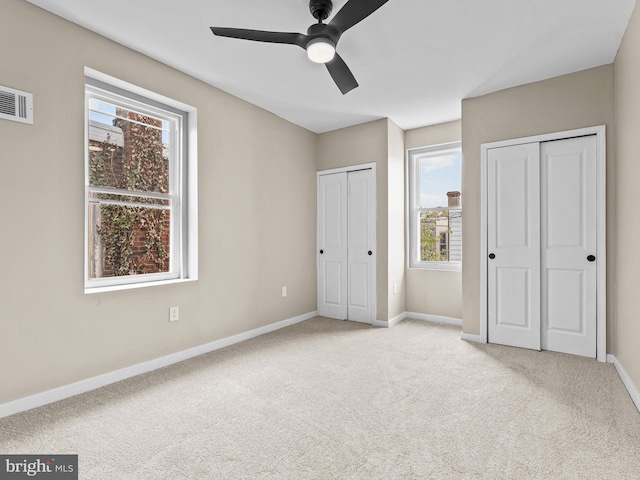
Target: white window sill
[443,267]
[129,286]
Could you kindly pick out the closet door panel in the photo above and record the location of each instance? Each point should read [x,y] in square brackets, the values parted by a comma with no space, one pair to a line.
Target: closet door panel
[332,246]
[514,246]
[361,256]
[569,235]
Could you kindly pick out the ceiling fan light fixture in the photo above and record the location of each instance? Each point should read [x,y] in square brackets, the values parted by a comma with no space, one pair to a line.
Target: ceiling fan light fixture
[321,50]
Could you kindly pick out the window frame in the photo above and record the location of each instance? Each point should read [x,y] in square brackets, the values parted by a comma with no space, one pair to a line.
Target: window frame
[414,211]
[182,194]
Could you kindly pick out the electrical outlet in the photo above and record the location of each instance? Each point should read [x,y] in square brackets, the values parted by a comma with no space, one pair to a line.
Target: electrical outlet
[284,292]
[174,314]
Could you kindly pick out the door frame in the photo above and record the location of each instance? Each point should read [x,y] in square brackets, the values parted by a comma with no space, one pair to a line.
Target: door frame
[601,221]
[355,168]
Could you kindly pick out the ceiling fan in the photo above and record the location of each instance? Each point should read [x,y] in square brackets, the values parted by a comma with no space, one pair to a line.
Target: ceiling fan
[321,39]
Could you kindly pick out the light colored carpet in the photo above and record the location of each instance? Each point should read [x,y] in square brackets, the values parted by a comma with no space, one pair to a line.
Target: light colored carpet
[326,399]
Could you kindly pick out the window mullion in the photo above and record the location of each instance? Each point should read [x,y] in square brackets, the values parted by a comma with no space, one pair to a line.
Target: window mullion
[436,209]
[130,204]
[130,193]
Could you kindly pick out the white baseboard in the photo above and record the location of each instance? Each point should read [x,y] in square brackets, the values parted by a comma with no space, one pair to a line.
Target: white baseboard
[469,337]
[434,318]
[390,323]
[624,376]
[417,316]
[60,393]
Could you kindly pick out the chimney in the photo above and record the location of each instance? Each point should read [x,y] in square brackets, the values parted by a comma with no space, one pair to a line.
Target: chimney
[454,199]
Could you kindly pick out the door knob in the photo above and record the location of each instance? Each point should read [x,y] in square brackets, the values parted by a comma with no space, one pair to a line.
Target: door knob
[321,252]
[492,256]
[591,258]
[370,252]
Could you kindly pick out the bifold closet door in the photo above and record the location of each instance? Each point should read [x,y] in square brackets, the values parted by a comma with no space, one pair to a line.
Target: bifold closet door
[332,244]
[346,233]
[513,242]
[360,235]
[541,237]
[568,242]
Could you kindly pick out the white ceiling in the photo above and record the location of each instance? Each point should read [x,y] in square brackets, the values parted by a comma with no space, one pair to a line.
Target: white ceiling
[415,60]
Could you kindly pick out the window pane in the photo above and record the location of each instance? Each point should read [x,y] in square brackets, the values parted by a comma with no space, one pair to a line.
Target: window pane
[438,175]
[432,224]
[101,112]
[441,236]
[128,151]
[127,240]
[105,110]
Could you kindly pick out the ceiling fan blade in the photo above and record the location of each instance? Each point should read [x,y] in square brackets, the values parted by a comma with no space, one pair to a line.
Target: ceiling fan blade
[262,36]
[354,11]
[341,74]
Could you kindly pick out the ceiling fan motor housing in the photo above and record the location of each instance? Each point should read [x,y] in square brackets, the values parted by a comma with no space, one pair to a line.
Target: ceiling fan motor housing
[322,30]
[321,9]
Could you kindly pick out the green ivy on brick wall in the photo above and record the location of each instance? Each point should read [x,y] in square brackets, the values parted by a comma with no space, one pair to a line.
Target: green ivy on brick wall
[134,239]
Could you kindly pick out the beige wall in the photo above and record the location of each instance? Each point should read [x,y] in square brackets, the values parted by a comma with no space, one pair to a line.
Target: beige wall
[434,292]
[581,99]
[627,228]
[433,135]
[396,219]
[380,142]
[257,220]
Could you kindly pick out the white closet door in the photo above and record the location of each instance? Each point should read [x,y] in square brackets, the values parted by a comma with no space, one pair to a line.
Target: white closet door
[346,238]
[332,244]
[542,233]
[361,257]
[513,240]
[568,241]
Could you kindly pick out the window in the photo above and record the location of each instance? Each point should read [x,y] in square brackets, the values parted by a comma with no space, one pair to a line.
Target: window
[435,207]
[138,191]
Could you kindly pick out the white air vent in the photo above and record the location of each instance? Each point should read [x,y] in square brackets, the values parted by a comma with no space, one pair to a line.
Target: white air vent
[16,105]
